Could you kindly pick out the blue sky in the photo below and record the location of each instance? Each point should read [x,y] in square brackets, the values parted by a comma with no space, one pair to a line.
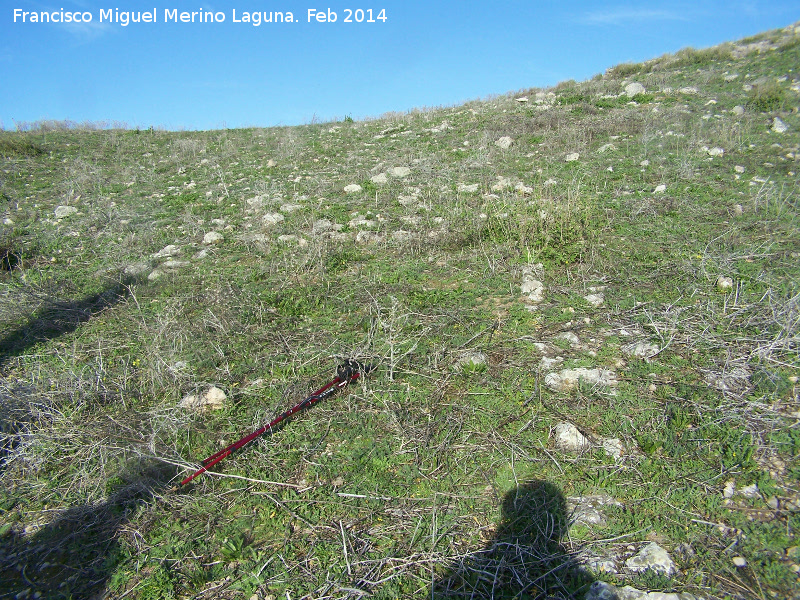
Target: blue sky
[229,74]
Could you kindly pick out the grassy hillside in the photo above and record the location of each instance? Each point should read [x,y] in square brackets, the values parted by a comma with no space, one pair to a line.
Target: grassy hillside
[583,305]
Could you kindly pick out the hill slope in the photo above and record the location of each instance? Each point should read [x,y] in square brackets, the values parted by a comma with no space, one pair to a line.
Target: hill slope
[583,302]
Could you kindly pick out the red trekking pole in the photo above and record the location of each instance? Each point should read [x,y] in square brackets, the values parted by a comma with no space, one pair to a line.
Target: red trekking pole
[348,371]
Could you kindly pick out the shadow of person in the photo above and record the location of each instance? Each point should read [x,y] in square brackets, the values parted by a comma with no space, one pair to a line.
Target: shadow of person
[74,555]
[526,559]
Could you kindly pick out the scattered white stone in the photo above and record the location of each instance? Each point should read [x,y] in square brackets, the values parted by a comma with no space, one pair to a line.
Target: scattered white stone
[738,110]
[588,509]
[213,237]
[154,275]
[595,299]
[353,188]
[613,447]
[136,269]
[8,221]
[641,349]
[292,239]
[688,90]
[402,236]
[290,208]
[174,264]
[272,218]
[321,225]
[167,251]
[62,212]
[568,379]
[548,363]
[606,148]
[502,183]
[256,201]
[600,590]
[738,210]
[731,77]
[362,222]
[738,169]
[634,88]
[523,189]
[569,439]
[652,557]
[470,360]
[504,142]
[750,491]
[572,157]
[550,182]
[569,337]
[212,399]
[739,562]
[534,289]
[716,151]
[729,490]
[368,237]
[399,171]
[660,189]
[724,283]
[380,178]
[522,99]
[644,163]
[779,126]
[271,163]
[469,189]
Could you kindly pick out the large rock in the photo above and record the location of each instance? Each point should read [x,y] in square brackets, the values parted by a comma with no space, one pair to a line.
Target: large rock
[399,171]
[212,399]
[779,126]
[600,590]
[167,252]
[568,379]
[569,439]
[634,88]
[652,557]
[353,188]
[504,142]
[213,237]
[65,211]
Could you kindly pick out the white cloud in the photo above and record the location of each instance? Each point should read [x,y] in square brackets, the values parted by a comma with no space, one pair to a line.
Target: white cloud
[618,16]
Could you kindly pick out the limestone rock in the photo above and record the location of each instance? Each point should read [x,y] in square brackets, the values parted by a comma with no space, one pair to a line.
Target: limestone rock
[652,557]
[212,399]
[588,509]
[62,212]
[634,88]
[660,189]
[212,237]
[572,157]
[750,491]
[738,110]
[595,299]
[469,189]
[167,252]
[606,148]
[353,188]
[380,178]
[399,172]
[688,90]
[568,379]
[641,349]
[613,447]
[716,151]
[174,264]
[779,126]
[739,562]
[568,438]
[569,337]
[724,283]
[470,360]
[504,142]
[272,218]
[290,208]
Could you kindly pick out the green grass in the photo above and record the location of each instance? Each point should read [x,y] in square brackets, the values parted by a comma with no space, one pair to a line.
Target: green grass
[418,471]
